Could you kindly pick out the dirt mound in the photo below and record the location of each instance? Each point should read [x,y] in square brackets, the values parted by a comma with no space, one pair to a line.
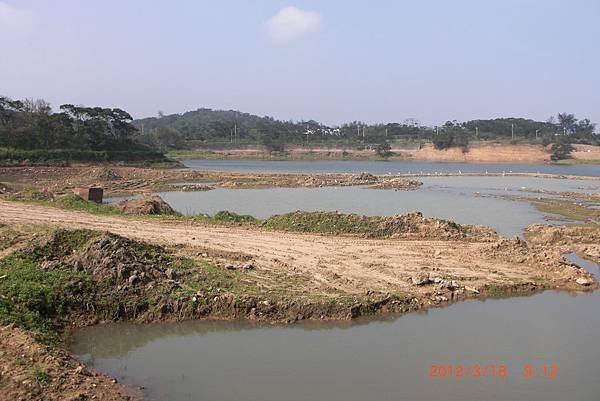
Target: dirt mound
[563,235]
[125,262]
[109,175]
[414,225]
[407,226]
[102,275]
[146,204]
[582,239]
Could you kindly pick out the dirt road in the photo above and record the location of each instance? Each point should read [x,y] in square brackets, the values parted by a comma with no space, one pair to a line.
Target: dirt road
[325,264]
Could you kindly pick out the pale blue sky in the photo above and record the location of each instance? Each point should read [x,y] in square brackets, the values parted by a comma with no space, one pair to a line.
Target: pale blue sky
[332,61]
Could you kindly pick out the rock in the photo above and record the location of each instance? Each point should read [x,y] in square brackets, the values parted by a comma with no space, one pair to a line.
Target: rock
[81,370]
[471,289]
[584,281]
[147,204]
[171,274]
[133,279]
[420,280]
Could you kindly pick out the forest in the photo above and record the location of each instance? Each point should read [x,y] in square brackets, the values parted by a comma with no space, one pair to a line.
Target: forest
[210,128]
[32,130]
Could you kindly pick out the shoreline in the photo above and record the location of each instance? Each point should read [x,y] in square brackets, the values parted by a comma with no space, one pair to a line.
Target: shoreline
[234,262]
[479,153]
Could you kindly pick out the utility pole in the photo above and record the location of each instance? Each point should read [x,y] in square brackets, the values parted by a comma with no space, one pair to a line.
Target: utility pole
[477,132]
[512,131]
[386,132]
[235,132]
[536,134]
[306,136]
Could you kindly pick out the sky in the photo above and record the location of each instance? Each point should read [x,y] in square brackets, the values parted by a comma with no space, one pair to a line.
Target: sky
[331,61]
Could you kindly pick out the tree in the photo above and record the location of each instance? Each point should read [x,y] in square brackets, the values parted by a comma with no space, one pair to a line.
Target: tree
[453,135]
[567,122]
[443,140]
[561,150]
[384,149]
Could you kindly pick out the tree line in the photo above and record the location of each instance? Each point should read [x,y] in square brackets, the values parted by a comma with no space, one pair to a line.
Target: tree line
[206,127]
[32,124]
[28,125]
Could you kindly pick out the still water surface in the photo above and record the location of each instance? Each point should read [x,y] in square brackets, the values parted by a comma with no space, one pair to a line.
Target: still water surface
[379,167]
[371,359]
[365,360]
[467,200]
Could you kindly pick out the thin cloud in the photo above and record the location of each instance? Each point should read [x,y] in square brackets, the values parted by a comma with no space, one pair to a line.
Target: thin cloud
[13,19]
[290,23]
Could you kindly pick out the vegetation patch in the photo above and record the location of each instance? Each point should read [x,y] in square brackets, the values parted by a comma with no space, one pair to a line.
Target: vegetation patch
[568,209]
[78,275]
[322,222]
[410,225]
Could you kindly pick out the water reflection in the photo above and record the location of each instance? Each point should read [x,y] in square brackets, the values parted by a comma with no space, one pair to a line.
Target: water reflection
[375,360]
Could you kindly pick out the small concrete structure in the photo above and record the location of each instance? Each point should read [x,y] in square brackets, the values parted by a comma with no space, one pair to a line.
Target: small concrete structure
[93,194]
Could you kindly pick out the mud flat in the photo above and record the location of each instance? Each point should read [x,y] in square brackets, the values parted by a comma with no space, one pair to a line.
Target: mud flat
[118,180]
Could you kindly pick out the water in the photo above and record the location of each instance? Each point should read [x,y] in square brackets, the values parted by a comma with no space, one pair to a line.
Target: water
[379,167]
[368,360]
[371,359]
[466,200]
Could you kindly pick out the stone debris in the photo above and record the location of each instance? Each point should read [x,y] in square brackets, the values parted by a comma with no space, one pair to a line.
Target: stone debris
[584,281]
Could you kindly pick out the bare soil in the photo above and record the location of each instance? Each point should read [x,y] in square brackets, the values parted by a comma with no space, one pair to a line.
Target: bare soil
[308,272]
[120,180]
[477,153]
[33,371]
[328,264]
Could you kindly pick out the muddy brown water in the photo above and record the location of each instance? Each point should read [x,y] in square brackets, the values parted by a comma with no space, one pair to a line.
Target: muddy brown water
[369,359]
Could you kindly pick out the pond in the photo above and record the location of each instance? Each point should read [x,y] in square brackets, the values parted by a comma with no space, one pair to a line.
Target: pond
[468,200]
[553,336]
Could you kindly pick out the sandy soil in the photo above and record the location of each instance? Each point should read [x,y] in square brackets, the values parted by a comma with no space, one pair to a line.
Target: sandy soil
[327,264]
[487,153]
[478,153]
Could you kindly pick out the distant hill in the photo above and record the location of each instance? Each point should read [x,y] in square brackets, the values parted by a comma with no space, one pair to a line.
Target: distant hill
[206,127]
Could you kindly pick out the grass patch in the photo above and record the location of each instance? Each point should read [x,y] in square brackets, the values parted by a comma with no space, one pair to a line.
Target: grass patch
[33,297]
[74,202]
[225,216]
[40,375]
[323,222]
[207,278]
[567,209]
